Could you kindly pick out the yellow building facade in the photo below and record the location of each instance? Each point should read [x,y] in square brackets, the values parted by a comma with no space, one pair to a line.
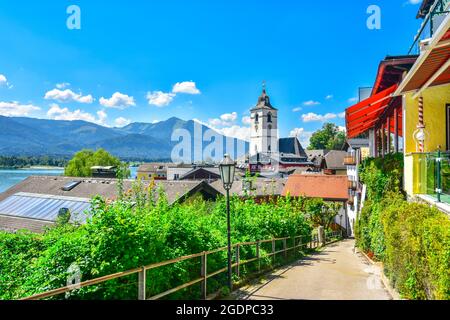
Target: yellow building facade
[436,104]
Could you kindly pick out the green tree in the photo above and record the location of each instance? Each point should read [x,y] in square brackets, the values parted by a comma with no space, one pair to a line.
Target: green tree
[329,137]
[81,163]
[322,213]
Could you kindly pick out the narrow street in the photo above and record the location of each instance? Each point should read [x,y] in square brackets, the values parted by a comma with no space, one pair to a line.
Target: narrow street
[335,273]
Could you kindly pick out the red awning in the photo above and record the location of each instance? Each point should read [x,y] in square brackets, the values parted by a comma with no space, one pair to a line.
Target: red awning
[364,115]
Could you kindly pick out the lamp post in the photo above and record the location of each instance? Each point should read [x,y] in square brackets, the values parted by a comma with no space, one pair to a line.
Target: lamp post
[227,169]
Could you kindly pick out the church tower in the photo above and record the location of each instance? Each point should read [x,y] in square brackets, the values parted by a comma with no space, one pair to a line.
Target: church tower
[264,130]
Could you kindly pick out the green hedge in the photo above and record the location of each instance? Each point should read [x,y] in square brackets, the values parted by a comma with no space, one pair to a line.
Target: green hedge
[127,234]
[411,239]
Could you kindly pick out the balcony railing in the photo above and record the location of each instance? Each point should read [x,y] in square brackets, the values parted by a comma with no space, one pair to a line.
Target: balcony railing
[431,173]
[430,24]
[438,175]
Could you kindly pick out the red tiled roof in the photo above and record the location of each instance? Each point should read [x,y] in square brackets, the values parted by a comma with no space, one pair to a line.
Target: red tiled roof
[317,186]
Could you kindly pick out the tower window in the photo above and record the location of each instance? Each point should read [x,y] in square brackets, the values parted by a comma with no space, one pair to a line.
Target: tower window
[257,118]
[269,118]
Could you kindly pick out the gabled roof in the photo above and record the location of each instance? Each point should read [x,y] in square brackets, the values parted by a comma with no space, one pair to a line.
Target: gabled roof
[291,146]
[153,167]
[335,160]
[330,188]
[211,173]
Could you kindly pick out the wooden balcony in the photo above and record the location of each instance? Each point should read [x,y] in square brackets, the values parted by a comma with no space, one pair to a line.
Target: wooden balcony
[352,185]
[349,160]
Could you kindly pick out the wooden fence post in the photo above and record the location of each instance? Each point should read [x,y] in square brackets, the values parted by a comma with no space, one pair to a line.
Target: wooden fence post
[142,284]
[258,255]
[204,274]
[285,248]
[238,249]
[273,252]
[294,248]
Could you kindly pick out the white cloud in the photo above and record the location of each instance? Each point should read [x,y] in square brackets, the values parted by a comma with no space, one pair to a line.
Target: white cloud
[57,113]
[122,122]
[298,109]
[302,135]
[188,87]
[225,120]
[4,82]
[67,95]
[62,85]
[341,115]
[341,128]
[15,109]
[215,122]
[159,98]
[414,1]
[102,116]
[118,101]
[311,117]
[229,117]
[235,131]
[225,126]
[329,97]
[247,120]
[311,103]
[354,99]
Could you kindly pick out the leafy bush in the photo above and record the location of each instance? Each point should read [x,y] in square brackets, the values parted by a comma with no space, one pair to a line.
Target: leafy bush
[137,231]
[413,240]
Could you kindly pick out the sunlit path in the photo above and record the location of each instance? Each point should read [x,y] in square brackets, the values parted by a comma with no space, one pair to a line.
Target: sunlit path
[335,273]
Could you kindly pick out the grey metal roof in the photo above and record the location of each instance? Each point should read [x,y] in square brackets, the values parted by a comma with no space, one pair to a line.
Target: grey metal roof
[90,187]
[44,207]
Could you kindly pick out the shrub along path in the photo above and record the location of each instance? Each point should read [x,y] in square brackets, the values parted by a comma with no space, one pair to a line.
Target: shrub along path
[334,273]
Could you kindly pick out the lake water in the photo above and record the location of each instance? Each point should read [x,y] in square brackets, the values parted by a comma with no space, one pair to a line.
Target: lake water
[9,178]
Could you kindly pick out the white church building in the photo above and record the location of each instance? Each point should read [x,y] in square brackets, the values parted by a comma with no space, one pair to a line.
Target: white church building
[267,151]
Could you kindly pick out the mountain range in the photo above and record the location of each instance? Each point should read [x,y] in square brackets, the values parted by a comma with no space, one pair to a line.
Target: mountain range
[20,136]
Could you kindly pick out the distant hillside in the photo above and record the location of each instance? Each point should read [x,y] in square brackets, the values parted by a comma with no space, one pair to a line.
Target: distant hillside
[137,141]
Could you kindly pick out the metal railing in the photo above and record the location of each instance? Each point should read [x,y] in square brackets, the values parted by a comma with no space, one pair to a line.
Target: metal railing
[438,175]
[431,22]
[312,243]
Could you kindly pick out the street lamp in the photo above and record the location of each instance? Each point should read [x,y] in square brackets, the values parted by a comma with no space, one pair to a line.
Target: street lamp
[227,168]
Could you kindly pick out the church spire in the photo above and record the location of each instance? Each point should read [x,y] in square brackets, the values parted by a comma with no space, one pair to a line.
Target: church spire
[264,99]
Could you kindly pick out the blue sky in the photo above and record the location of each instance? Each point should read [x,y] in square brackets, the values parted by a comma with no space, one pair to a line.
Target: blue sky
[144,61]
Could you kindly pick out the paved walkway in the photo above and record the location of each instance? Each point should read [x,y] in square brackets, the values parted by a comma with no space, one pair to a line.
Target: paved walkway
[335,273]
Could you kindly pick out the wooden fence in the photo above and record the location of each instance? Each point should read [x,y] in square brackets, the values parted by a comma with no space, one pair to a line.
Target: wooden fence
[204,275]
